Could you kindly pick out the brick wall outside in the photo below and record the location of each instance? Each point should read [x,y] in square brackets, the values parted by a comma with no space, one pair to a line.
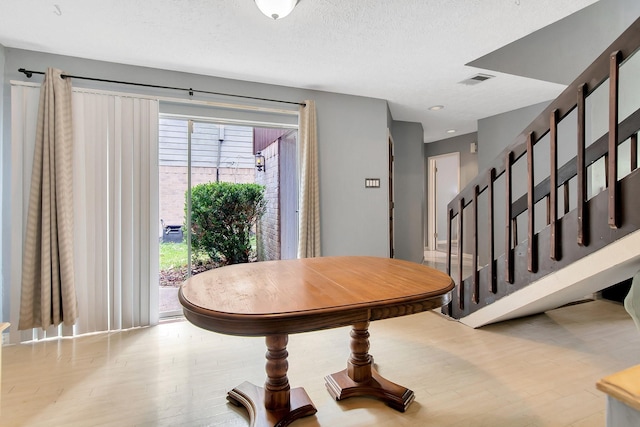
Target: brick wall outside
[268,242]
[173,185]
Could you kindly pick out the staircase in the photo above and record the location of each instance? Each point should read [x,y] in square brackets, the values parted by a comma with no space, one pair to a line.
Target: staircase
[582,217]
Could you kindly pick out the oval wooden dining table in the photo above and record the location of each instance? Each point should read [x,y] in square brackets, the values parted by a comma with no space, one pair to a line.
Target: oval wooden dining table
[278,298]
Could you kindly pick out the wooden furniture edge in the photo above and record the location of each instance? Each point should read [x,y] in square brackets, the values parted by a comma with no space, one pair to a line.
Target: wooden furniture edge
[4,326]
[624,386]
[291,323]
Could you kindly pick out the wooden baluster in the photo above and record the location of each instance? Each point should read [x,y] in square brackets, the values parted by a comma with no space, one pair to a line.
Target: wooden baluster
[532,249]
[508,252]
[634,151]
[553,184]
[474,262]
[460,253]
[583,229]
[566,195]
[606,170]
[548,200]
[493,282]
[612,166]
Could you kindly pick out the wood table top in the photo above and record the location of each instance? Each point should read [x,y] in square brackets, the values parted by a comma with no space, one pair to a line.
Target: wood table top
[301,295]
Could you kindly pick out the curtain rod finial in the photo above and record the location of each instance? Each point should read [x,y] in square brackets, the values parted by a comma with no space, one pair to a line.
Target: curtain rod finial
[27,73]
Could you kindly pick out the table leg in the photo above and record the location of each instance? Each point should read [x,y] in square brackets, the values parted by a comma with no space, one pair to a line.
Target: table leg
[275,405]
[361,379]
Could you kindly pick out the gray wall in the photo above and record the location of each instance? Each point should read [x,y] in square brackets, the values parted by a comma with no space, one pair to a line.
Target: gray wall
[3,178]
[497,132]
[352,134]
[568,45]
[409,191]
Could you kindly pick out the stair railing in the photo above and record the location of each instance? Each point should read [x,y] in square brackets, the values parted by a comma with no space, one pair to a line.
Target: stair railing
[483,285]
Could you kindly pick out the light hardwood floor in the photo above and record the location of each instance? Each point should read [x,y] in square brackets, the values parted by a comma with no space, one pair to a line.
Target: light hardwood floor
[536,371]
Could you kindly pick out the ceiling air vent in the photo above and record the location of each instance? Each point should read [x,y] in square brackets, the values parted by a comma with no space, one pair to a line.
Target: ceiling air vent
[478,78]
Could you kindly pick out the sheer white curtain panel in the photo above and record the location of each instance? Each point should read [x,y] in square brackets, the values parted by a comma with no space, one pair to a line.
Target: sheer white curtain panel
[115,185]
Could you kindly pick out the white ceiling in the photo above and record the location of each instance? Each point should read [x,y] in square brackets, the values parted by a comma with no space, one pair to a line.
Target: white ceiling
[409,52]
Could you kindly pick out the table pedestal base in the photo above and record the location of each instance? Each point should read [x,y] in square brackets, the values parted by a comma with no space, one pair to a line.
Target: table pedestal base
[252,398]
[340,386]
[361,379]
[275,404]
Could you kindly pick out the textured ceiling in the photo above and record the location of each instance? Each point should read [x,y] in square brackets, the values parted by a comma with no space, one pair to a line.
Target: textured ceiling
[409,52]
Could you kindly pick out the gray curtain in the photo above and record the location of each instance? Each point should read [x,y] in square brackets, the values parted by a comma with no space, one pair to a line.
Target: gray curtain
[309,220]
[48,295]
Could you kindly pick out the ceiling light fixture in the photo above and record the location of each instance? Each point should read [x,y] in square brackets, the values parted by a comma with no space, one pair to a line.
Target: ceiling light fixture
[451,131]
[436,107]
[276,9]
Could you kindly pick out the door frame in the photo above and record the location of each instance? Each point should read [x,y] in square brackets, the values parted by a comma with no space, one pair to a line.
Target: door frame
[433,202]
[391,204]
[191,120]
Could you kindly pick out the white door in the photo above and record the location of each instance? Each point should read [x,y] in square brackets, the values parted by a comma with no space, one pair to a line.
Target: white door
[444,185]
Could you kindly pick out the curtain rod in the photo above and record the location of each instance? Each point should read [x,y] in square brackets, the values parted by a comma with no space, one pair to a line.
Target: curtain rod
[30,73]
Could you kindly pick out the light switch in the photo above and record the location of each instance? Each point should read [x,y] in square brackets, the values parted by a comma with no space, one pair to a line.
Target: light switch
[372,183]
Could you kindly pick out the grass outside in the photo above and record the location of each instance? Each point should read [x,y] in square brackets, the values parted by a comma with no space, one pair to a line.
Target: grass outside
[174,255]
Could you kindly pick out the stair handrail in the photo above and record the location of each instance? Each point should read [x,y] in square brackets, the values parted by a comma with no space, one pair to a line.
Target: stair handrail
[606,66]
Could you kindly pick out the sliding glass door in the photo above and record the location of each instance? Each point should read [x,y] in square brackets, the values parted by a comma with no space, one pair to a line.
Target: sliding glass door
[194,151]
